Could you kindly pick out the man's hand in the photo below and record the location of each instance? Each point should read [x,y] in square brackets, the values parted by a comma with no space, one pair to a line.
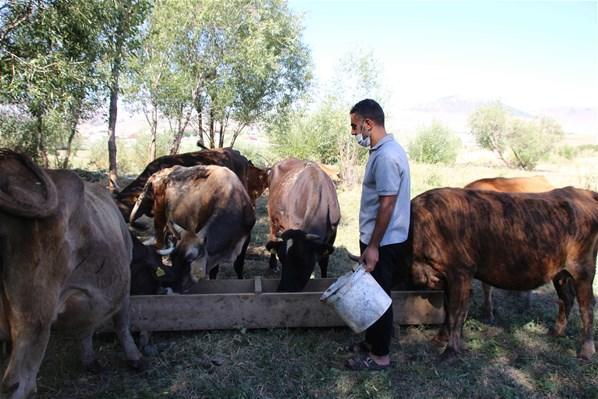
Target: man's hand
[369,258]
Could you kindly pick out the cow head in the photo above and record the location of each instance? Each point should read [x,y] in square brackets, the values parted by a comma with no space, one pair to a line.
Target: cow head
[298,252]
[189,255]
[257,181]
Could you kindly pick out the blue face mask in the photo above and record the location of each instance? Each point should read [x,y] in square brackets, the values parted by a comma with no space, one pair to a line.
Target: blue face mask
[362,141]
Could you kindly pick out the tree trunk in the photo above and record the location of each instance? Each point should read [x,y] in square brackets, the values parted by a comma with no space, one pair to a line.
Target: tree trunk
[40,146]
[154,132]
[211,122]
[221,138]
[200,140]
[236,134]
[113,112]
[75,115]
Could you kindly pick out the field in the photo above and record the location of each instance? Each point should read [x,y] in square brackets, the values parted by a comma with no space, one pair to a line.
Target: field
[516,357]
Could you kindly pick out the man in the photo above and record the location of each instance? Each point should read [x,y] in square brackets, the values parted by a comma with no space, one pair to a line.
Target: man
[383,222]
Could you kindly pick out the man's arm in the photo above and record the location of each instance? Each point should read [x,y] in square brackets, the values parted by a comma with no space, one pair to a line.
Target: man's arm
[370,256]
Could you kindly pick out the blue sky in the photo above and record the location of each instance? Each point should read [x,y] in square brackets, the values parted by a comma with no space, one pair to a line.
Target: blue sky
[531,55]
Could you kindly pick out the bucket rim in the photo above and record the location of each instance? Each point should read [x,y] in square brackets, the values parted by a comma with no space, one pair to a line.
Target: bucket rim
[342,282]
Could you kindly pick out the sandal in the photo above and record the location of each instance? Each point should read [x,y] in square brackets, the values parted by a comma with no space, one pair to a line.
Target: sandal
[358,347]
[365,363]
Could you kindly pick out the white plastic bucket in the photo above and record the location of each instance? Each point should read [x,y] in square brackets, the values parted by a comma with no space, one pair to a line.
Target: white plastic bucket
[358,299]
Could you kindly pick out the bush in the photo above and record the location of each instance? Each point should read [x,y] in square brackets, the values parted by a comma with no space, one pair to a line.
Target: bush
[434,144]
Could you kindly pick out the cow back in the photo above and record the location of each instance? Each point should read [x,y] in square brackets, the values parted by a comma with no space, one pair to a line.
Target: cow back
[491,234]
[302,197]
[227,157]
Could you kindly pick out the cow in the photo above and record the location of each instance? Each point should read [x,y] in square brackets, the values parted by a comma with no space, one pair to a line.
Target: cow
[208,211]
[534,184]
[253,178]
[304,216]
[508,240]
[64,256]
[149,275]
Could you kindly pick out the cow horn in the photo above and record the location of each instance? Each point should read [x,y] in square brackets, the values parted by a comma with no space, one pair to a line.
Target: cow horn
[312,237]
[165,251]
[31,193]
[178,230]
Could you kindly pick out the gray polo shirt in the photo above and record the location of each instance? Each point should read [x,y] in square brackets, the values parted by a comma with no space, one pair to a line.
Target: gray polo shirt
[386,173]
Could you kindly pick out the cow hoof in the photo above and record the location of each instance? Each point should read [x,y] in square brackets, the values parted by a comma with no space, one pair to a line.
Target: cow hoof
[557,332]
[138,365]
[587,350]
[448,355]
[150,350]
[440,339]
[95,367]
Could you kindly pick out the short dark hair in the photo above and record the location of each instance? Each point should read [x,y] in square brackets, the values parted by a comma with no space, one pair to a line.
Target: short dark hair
[369,109]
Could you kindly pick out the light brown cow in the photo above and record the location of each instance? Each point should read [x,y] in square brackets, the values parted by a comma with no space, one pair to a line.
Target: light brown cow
[209,212]
[64,254]
[534,184]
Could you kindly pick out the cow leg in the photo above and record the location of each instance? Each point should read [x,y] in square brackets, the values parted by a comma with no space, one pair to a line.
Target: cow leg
[88,357]
[240,261]
[459,292]
[273,263]
[29,346]
[563,284]
[585,299]
[121,328]
[324,266]
[487,306]
[214,272]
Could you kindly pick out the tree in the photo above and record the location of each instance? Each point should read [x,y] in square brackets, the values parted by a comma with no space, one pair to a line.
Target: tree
[434,144]
[323,134]
[517,142]
[48,64]
[124,19]
[229,63]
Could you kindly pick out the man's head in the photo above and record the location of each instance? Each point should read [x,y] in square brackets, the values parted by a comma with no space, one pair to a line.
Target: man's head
[367,117]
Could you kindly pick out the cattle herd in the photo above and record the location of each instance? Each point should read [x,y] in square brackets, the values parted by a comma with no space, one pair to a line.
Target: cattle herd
[69,261]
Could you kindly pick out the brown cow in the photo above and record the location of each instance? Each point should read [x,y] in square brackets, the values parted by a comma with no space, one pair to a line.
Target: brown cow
[508,240]
[534,184]
[253,178]
[304,215]
[64,254]
[209,212]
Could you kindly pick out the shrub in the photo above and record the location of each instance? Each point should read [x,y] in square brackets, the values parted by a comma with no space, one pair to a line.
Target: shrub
[434,144]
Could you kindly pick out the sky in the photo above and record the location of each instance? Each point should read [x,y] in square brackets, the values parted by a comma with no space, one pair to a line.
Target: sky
[528,54]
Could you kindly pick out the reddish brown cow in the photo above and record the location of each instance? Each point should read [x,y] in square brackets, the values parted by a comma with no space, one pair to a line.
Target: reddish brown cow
[508,240]
[304,215]
[534,184]
[253,178]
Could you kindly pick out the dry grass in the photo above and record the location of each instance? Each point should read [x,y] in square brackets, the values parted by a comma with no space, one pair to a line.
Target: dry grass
[514,358]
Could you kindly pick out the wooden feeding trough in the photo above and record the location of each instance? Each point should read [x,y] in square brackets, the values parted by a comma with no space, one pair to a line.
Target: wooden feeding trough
[231,304]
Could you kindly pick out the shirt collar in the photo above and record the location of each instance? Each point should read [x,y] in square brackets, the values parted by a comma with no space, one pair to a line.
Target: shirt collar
[382,141]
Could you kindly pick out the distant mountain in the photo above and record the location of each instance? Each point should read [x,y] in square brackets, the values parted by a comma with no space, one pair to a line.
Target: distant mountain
[454,112]
[463,105]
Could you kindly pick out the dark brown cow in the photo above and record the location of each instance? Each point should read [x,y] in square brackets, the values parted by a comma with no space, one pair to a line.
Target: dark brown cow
[304,215]
[64,255]
[253,178]
[207,209]
[534,184]
[508,240]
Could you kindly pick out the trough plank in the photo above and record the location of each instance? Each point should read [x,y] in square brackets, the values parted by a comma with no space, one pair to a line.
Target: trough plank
[226,304]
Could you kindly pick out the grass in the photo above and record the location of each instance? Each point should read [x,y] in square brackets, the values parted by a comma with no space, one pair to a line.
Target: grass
[514,358]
